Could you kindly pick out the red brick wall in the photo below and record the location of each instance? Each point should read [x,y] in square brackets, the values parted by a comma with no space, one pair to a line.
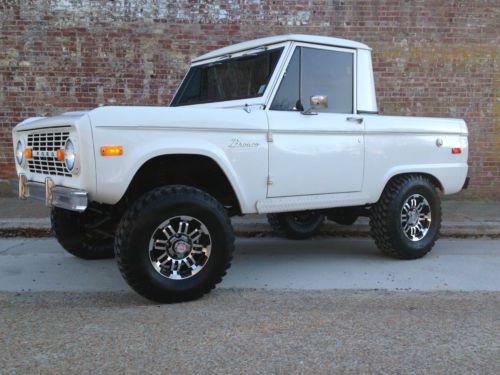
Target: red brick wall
[431,58]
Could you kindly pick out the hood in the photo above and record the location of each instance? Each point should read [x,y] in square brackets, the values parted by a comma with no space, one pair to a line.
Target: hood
[193,117]
[198,117]
[65,119]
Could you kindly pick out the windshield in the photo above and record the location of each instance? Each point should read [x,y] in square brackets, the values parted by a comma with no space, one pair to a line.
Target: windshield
[246,76]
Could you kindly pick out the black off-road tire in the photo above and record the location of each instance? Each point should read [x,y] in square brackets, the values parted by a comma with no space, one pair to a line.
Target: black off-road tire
[385,219]
[287,224]
[143,218]
[69,229]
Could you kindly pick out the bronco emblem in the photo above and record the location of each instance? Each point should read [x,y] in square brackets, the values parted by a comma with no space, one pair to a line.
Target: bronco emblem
[236,143]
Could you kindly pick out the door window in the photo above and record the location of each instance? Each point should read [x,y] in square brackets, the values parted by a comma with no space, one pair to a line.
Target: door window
[288,96]
[314,71]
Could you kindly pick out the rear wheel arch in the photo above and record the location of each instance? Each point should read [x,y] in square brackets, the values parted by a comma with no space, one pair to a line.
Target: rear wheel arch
[433,179]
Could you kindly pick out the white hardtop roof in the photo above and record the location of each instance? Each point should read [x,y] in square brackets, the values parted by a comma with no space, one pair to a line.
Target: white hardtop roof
[315,39]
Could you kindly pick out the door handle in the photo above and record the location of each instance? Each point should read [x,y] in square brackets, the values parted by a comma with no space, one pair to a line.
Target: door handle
[357,120]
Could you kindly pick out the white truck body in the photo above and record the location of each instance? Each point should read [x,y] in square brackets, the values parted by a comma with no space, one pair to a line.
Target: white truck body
[275,161]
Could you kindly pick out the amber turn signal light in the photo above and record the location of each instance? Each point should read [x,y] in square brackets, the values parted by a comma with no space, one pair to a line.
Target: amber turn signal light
[28,154]
[456,150]
[60,154]
[111,150]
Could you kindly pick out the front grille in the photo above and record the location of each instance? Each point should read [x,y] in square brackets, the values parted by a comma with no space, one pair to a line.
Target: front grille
[44,145]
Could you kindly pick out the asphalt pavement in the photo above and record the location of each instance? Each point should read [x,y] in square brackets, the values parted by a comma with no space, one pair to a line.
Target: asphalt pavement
[323,306]
[330,305]
[245,331]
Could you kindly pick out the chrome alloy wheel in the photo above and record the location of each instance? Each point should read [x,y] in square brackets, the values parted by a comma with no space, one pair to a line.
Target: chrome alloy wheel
[180,247]
[416,217]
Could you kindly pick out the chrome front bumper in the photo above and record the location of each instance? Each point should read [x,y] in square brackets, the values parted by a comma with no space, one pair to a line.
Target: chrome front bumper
[52,195]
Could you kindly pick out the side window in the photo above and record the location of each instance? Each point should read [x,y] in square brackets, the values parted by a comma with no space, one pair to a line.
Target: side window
[288,94]
[314,71]
[328,73]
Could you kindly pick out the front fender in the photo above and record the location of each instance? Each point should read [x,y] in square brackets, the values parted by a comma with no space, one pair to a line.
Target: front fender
[114,173]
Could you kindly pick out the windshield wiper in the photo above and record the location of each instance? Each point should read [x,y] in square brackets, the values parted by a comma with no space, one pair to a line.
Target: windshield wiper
[257,50]
[224,57]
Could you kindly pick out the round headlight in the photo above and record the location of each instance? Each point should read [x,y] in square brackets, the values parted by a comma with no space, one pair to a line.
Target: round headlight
[19,152]
[69,155]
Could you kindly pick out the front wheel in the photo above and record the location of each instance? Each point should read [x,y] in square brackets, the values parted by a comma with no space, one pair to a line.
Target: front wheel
[296,225]
[405,222]
[174,244]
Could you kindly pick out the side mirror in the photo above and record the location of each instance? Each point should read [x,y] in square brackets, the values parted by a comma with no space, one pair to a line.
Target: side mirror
[319,101]
[316,102]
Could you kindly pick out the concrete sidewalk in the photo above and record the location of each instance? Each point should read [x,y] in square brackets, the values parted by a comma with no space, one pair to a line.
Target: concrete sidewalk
[325,263]
[460,219]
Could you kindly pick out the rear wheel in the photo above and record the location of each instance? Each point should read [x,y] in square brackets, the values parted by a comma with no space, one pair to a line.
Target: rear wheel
[296,225]
[174,244]
[405,222]
[83,234]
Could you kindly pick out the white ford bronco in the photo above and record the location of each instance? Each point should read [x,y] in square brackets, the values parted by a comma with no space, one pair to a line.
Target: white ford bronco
[285,126]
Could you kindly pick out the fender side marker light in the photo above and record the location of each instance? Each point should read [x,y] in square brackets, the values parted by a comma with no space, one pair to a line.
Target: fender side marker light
[111,150]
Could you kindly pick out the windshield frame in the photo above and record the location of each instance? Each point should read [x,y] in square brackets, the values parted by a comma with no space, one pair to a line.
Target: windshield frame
[259,100]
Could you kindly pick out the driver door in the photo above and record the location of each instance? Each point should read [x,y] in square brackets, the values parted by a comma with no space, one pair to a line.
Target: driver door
[319,151]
